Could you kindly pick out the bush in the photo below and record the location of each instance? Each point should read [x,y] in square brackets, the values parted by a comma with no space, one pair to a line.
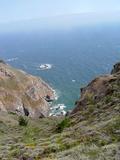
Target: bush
[108,99]
[65,123]
[23,121]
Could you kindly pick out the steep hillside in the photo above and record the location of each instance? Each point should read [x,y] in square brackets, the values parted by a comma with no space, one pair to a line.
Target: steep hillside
[90,132]
[23,93]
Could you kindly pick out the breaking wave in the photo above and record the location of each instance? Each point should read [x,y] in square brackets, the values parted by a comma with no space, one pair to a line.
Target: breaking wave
[12,59]
[57,110]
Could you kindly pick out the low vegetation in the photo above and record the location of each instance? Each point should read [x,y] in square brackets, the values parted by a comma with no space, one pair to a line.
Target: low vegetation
[62,125]
[23,121]
[91,133]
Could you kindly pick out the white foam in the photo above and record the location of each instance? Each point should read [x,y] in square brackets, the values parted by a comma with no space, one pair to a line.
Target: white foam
[12,59]
[56,94]
[45,66]
[63,113]
[74,80]
[58,110]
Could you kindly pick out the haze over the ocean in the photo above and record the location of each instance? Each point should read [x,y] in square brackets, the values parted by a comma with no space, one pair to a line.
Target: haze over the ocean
[29,14]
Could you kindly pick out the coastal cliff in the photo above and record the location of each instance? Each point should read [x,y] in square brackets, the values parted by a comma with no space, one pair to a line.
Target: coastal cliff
[100,88]
[90,132]
[23,93]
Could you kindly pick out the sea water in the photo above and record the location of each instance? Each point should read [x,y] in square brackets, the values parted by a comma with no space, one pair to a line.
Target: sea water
[76,56]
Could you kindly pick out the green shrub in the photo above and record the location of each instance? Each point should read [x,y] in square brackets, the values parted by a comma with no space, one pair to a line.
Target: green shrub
[108,99]
[23,121]
[15,152]
[12,113]
[65,123]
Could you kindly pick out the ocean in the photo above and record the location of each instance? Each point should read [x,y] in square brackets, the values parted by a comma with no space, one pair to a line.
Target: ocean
[77,56]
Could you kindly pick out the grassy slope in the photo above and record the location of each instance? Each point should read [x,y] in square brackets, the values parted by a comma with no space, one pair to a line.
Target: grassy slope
[91,134]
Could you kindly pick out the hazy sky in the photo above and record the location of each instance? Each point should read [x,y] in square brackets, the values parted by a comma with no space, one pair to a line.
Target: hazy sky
[11,10]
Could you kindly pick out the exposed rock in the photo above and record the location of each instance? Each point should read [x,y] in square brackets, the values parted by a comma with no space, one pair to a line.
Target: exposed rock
[26,111]
[1,61]
[97,89]
[116,68]
[2,108]
[23,93]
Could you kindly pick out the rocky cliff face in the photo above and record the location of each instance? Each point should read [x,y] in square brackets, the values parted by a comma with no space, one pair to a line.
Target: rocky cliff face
[23,93]
[98,89]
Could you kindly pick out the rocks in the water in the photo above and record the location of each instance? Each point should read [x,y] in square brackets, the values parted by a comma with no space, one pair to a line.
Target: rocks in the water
[68,113]
[49,99]
[58,110]
[23,93]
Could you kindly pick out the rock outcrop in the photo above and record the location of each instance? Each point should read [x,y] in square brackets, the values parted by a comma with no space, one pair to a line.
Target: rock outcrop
[23,93]
[98,89]
[116,68]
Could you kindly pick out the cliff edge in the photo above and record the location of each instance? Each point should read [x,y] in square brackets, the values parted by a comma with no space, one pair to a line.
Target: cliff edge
[23,93]
[102,87]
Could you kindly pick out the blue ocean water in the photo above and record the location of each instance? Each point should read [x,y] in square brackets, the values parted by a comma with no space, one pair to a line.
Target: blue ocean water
[77,56]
